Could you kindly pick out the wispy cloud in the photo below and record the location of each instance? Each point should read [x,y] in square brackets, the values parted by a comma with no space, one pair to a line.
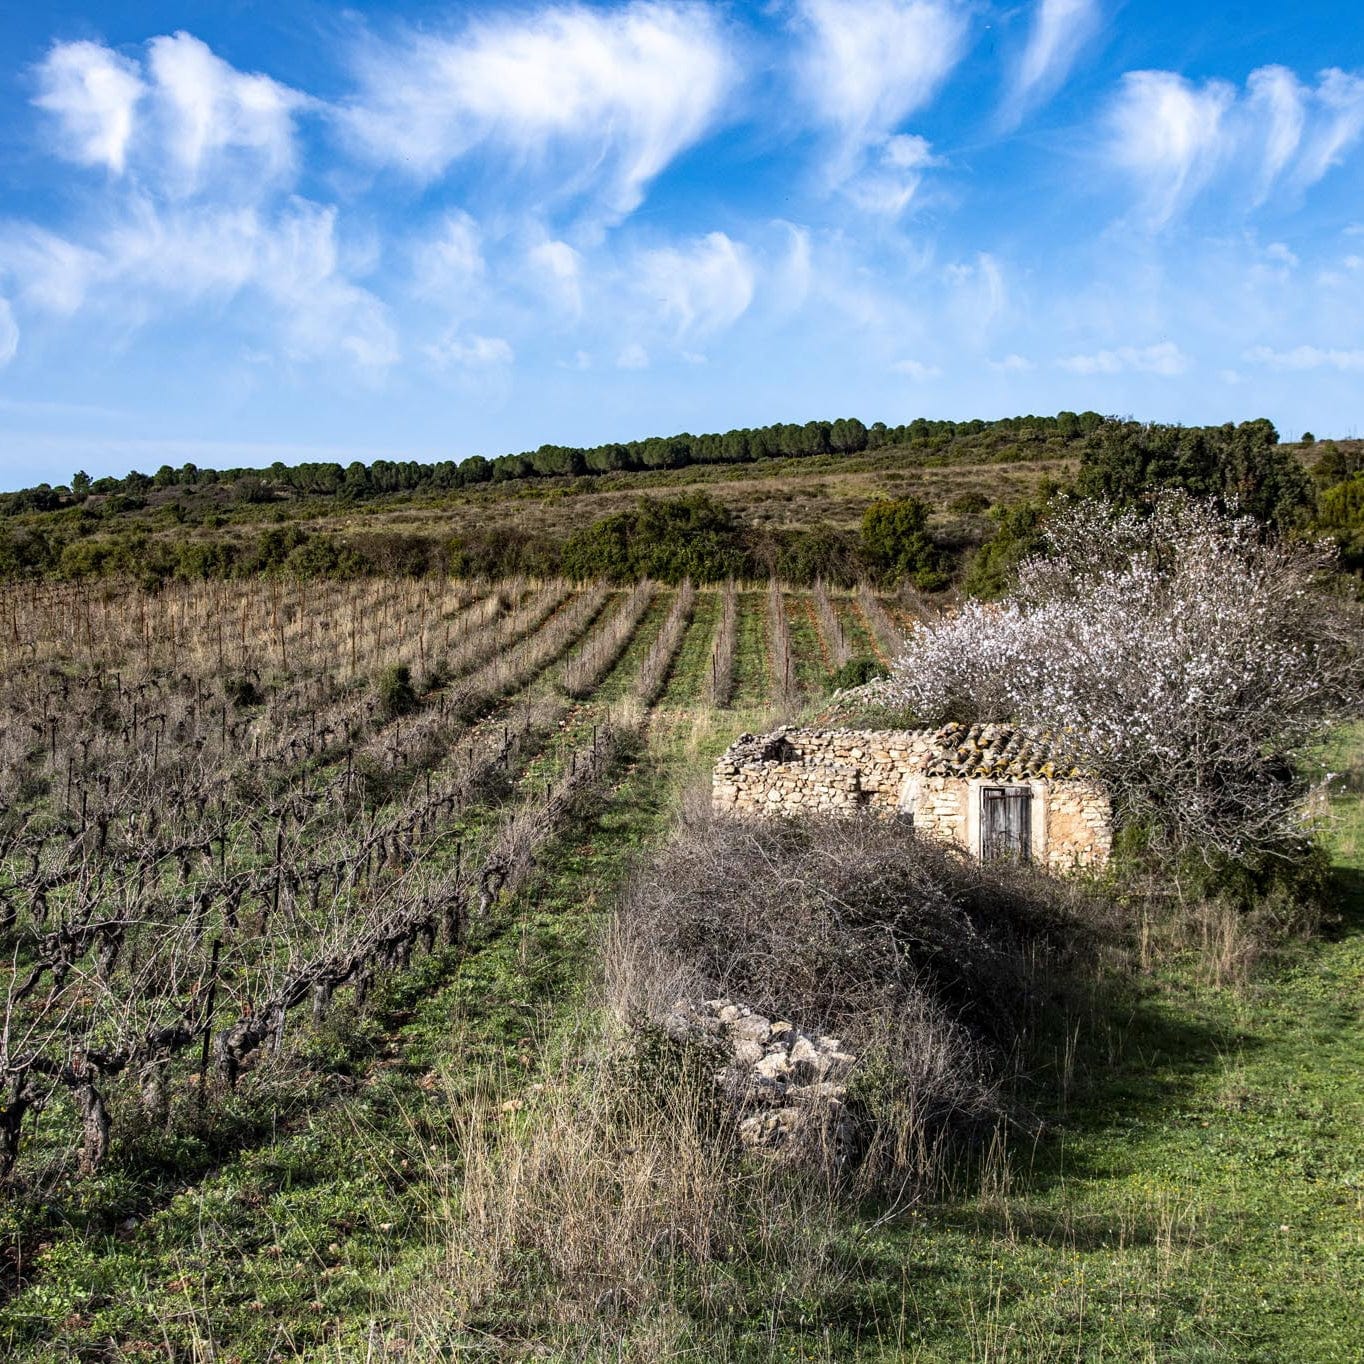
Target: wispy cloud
[471,352]
[1164,359]
[449,263]
[1059,32]
[869,64]
[93,94]
[864,67]
[1275,101]
[1169,135]
[174,117]
[892,172]
[9,333]
[585,101]
[204,109]
[1308,358]
[916,370]
[149,259]
[699,288]
[202,157]
[1172,137]
[558,268]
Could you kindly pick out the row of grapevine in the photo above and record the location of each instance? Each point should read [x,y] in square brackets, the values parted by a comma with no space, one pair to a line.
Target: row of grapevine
[658,662]
[584,672]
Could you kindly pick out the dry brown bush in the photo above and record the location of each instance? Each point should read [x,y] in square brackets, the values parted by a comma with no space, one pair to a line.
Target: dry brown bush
[889,637]
[779,659]
[831,628]
[929,965]
[584,670]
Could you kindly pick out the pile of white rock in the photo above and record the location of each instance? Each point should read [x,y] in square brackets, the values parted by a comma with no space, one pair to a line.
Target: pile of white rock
[789,1088]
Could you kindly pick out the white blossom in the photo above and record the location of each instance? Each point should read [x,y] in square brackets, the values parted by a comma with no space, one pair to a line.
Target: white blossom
[1178,656]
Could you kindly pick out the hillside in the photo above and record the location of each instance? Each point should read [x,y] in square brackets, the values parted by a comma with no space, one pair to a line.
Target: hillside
[797,516]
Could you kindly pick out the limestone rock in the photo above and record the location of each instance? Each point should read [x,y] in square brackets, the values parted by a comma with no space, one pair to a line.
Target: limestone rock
[788,1088]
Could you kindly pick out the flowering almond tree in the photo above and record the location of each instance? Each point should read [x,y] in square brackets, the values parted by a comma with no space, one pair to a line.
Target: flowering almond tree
[1181,656]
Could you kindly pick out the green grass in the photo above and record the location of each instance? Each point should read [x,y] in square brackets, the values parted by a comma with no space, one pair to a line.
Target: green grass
[278,1246]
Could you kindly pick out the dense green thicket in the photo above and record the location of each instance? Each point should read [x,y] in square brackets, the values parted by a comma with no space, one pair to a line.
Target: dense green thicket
[687,537]
[1240,466]
[1340,513]
[895,541]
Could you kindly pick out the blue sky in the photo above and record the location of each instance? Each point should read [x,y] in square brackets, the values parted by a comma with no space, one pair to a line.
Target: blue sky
[239,232]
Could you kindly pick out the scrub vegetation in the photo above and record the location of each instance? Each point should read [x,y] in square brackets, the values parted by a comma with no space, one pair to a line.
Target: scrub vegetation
[933,505]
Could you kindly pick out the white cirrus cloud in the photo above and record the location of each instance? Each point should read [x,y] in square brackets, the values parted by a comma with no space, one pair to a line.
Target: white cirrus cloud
[48,273]
[205,107]
[179,118]
[1308,358]
[700,287]
[1275,101]
[863,68]
[1173,137]
[1013,364]
[892,172]
[588,100]
[471,352]
[1338,105]
[1164,359]
[633,356]
[1169,135]
[916,370]
[92,93]
[866,65]
[9,333]
[558,270]
[202,156]
[979,294]
[1059,32]
[450,262]
[152,259]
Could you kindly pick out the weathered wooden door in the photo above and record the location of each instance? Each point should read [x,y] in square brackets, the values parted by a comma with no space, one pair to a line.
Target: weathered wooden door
[1006,823]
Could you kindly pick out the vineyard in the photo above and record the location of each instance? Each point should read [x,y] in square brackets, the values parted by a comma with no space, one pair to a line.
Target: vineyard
[254,835]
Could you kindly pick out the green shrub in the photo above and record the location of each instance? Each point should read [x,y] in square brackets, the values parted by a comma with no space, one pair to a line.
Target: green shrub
[691,537]
[395,692]
[857,672]
[969,504]
[896,542]
[1241,465]
[1017,535]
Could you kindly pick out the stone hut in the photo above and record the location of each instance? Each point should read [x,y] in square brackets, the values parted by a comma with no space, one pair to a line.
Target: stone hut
[998,791]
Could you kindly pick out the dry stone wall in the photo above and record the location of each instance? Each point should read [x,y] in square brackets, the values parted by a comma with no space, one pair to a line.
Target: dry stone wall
[939,808]
[817,770]
[1079,826]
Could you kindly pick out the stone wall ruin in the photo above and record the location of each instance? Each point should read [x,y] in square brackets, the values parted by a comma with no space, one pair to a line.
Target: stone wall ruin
[933,778]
